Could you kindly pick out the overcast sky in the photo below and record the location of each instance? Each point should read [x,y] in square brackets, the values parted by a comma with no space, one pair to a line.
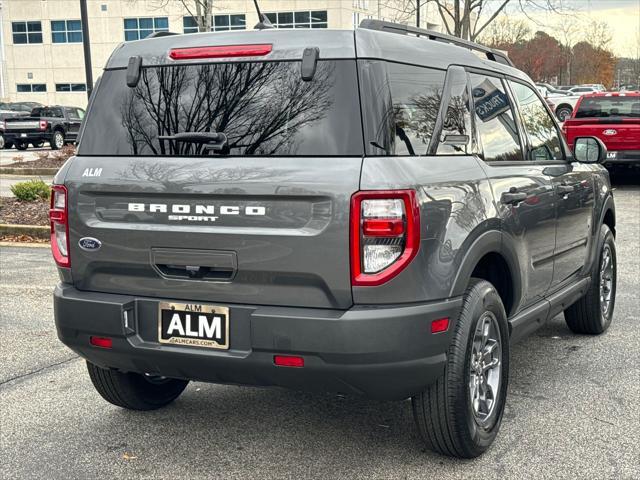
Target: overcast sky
[622,16]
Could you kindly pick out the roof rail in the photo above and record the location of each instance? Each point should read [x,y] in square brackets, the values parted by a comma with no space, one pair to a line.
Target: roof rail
[383,26]
[161,33]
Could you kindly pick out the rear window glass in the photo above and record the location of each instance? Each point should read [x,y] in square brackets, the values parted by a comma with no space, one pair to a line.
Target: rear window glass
[400,107]
[47,112]
[263,108]
[602,107]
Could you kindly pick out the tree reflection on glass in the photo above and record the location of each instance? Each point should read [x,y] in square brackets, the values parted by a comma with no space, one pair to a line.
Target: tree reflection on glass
[259,106]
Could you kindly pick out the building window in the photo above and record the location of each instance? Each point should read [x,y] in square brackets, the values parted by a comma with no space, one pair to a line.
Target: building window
[31,87]
[139,28]
[66,31]
[71,87]
[305,19]
[223,23]
[219,23]
[26,32]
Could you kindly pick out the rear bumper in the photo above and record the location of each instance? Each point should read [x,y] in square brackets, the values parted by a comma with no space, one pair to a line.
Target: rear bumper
[382,352]
[28,137]
[624,157]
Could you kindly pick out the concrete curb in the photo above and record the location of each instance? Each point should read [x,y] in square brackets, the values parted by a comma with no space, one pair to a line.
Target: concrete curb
[27,171]
[35,231]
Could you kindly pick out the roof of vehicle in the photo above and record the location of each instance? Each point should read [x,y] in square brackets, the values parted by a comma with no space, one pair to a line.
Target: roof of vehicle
[333,44]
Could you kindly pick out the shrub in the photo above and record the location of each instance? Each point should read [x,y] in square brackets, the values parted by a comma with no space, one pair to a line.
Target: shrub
[31,190]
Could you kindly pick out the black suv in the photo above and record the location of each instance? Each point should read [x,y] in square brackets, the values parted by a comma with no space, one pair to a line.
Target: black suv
[377,212]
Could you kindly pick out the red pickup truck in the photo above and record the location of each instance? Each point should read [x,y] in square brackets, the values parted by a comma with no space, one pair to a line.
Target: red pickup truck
[612,117]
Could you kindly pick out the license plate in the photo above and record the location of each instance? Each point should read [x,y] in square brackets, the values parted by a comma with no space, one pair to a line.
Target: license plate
[23,134]
[193,324]
[612,154]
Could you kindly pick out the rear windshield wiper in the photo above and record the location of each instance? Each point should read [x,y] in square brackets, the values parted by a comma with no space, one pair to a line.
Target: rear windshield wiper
[209,140]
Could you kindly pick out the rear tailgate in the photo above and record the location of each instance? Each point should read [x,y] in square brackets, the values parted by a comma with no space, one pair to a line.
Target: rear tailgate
[617,134]
[269,231]
[22,125]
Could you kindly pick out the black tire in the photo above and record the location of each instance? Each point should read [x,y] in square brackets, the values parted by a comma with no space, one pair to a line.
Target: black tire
[22,145]
[563,113]
[38,144]
[133,390]
[444,412]
[588,315]
[57,140]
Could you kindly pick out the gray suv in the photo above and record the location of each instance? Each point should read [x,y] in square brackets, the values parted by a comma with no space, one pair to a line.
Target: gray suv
[377,212]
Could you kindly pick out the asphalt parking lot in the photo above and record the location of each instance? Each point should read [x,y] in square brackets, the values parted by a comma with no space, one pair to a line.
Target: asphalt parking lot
[572,410]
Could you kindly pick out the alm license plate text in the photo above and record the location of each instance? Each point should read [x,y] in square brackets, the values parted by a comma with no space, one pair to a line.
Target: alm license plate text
[195,325]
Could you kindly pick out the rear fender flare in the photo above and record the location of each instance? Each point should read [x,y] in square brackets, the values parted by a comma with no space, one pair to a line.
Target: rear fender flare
[491,241]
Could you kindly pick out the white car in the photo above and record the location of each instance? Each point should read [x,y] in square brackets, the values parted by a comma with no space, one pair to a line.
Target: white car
[581,90]
[563,104]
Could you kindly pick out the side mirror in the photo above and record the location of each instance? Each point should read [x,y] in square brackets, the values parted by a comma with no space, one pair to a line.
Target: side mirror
[589,150]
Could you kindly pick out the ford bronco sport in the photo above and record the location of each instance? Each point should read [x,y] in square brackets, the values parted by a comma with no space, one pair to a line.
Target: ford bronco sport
[377,212]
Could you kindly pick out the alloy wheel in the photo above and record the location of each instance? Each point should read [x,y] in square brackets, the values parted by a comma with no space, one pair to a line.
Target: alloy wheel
[485,368]
[606,281]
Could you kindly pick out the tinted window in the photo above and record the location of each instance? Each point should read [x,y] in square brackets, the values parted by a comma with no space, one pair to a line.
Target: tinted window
[456,134]
[263,108]
[400,107]
[494,120]
[544,137]
[602,107]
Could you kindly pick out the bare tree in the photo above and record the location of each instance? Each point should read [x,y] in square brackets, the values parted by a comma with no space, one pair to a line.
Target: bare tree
[598,34]
[506,31]
[200,10]
[468,18]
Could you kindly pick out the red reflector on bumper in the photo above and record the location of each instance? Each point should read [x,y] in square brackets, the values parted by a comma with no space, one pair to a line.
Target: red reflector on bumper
[440,325]
[222,51]
[288,361]
[102,342]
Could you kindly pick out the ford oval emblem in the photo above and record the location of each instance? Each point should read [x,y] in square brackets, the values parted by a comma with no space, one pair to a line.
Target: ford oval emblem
[610,131]
[89,244]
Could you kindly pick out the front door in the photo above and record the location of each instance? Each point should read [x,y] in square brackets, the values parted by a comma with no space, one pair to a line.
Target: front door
[572,184]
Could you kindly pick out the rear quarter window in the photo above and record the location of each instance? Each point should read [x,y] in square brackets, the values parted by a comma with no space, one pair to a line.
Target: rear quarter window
[263,108]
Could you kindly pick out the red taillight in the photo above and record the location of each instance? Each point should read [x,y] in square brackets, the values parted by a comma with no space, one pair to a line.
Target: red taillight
[288,361]
[102,342]
[222,51]
[59,226]
[440,325]
[385,234]
[43,124]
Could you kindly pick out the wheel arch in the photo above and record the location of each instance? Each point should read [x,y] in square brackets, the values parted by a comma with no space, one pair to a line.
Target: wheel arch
[491,259]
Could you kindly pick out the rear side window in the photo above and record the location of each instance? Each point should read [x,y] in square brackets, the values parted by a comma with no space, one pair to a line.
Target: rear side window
[263,108]
[544,137]
[400,105]
[47,112]
[494,120]
[604,107]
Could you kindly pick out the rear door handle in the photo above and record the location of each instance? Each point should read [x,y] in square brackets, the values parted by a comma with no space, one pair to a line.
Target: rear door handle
[513,196]
[564,189]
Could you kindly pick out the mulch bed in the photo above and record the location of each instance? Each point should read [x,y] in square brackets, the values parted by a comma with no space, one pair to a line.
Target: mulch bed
[15,212]
[38,163]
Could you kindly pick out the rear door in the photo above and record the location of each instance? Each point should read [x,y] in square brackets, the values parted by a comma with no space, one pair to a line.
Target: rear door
[522,187]
[259,219]
[573,184]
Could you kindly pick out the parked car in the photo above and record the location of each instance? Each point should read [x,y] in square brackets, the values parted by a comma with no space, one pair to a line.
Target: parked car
[614,118]
[565,87]
[551,89]
[56,125]
[377,214]
[581,90]
[562,104]
[597,86]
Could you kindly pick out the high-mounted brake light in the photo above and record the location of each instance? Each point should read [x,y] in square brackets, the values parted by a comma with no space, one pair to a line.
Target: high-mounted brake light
[385,234]
[221,51]
[59,226]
